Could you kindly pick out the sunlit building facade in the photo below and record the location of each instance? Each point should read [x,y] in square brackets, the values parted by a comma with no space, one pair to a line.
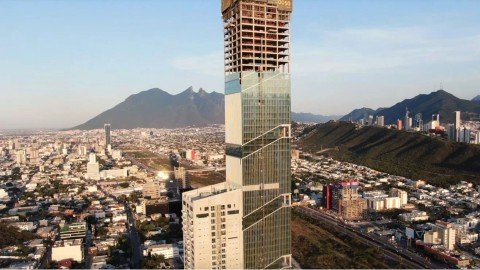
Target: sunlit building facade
[258,132]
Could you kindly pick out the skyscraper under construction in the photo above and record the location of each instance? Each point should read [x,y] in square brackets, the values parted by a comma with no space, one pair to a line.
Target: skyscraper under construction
[245,222]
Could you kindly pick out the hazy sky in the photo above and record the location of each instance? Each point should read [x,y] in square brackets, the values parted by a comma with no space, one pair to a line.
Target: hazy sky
[63,62]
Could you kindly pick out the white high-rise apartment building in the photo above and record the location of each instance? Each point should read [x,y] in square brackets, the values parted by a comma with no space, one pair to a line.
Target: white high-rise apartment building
[381,120]
[392,203]
[212,227]
[457,119]
[446,233]
[82,150]
[402,194]
[93,168]
[457,125]
[435,123]
[21,156]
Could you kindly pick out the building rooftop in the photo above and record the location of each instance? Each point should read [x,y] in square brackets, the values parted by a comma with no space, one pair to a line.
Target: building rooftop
[208,191]
[73,227]
[66,243]
[280,4]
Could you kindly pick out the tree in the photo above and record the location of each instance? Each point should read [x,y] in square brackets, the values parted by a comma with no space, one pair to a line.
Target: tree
[122,198]
[153,262]
[12,236]
[102,231]
[174,231]
[16,173]
[124,184]
[135,197]
[146,226]
[120,252]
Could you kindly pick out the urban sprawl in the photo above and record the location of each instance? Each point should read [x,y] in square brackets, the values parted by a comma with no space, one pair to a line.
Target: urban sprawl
[113,199]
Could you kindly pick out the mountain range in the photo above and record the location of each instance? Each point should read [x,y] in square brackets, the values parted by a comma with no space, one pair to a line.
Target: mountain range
[156,108]
[313,118]
[413,155]
[358,114]
[476,99]
[438,102]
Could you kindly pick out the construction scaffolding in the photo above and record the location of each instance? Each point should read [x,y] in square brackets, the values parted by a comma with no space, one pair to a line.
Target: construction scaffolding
[257,35]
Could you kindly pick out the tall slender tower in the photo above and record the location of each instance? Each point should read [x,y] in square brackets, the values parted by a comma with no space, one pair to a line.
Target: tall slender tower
[108,137]
[457,126]
[245,222]
[257,124]
[407,119]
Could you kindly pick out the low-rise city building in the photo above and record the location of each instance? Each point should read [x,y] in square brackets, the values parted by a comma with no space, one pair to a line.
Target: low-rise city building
[68,249]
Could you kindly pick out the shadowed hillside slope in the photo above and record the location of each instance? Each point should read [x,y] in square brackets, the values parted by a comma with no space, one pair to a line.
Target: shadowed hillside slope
[398,152]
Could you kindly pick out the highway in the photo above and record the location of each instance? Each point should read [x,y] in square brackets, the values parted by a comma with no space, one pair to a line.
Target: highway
[408,258]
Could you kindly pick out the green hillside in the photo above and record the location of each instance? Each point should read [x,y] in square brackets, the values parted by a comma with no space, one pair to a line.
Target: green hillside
[398,152]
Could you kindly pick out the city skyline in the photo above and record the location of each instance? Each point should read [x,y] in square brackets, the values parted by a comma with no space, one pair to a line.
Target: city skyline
[66,62]
[234,175]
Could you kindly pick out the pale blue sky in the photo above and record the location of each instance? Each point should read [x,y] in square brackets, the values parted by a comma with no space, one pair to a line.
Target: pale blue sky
[63,62]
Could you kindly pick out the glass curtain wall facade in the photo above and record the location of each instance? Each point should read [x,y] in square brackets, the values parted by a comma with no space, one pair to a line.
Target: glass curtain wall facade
[257,97]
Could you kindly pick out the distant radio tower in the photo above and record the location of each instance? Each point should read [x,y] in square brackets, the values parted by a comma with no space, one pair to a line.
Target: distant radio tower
[441,85]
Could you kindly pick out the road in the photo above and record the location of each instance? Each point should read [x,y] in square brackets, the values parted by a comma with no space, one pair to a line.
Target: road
[396,253]
[46,258]
[135,244]
[88,241]
[326,150]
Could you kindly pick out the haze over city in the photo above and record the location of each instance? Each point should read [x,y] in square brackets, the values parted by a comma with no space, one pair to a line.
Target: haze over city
[240,134]
[64,62]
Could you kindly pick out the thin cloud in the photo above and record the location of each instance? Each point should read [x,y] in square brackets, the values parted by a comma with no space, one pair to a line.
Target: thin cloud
[370,50]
